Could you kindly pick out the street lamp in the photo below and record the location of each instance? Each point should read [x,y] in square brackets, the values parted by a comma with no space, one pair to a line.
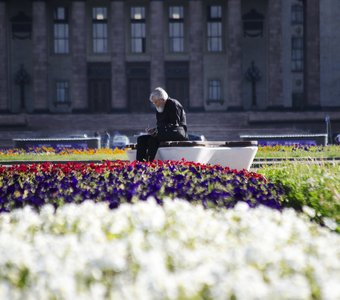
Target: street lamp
[253,75]
[22,78]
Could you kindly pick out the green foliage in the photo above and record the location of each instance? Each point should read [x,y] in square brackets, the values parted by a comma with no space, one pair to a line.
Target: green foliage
[312,184]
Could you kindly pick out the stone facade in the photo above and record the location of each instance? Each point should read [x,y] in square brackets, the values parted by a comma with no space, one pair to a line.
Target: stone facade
[196,54]
[312,56]
[40,57]
[270,50]
[329,55]
[119,98]
[234,54]
[157,47]
[274,54]
[79,34]
[3,58]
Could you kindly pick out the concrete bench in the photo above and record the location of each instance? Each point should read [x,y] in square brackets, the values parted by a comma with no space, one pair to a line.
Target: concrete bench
[233,154]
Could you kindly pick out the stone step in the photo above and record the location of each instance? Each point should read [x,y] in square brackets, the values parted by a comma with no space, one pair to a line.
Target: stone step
[213,125]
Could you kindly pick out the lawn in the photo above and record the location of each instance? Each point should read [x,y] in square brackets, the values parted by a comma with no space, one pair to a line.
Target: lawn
[332,151]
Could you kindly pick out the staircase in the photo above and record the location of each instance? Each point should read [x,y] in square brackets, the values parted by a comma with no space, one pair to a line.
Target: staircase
[213,125]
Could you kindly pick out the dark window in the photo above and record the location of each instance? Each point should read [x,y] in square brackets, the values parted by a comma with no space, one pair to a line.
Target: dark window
[176,29]
[137,29]
[99,86]
[177,80]
[215,90]
[297,54]
[138,82]
[297,14]
[61,30]
[62,91]
[99,30]
[214,30]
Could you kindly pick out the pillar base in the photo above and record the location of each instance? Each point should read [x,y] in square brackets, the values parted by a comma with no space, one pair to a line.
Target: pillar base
[235,108]
[275,107]
[120,110]
[195,109]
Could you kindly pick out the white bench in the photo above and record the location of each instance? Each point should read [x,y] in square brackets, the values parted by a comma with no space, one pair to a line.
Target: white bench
[233,154]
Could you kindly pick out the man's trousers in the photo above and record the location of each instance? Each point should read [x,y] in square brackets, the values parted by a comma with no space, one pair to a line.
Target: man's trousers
[147,145]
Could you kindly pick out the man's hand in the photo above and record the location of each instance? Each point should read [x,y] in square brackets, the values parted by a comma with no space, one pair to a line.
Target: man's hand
[151,131]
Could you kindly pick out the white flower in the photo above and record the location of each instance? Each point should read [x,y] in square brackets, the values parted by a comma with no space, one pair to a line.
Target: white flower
[309,211]
[147,251]
[330,223]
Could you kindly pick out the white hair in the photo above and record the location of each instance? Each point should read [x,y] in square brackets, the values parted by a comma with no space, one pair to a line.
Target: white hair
[159,93]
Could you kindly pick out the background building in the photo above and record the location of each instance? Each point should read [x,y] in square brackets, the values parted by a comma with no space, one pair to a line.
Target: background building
[80,59]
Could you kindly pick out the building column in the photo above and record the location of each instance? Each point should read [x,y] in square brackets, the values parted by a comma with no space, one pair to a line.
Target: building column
[118,82]
[234,54]
[196,95]
[40,56]
[78,46]
[3,58]
[312,53]
[275,68]
[157,48]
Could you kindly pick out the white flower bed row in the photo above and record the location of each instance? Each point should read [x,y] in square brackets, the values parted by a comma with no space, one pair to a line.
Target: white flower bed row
[179,251]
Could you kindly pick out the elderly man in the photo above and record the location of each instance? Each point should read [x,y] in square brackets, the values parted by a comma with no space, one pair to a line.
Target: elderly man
[171,125]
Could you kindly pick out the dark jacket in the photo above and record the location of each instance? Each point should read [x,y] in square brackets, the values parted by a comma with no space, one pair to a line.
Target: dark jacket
[172,123]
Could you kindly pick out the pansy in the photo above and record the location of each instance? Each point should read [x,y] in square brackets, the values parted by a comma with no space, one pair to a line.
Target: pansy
[123,181]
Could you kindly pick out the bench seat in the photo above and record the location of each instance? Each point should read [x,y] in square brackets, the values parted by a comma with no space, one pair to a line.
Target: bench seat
[233,154]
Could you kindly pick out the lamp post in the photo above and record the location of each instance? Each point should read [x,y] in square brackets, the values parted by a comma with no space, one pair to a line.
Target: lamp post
[253,75]
[329,129]
[22,78]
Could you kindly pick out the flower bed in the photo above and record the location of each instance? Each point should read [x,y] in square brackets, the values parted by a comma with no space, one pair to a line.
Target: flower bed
[174,251]
[59,151]
[60,154]
[118,182]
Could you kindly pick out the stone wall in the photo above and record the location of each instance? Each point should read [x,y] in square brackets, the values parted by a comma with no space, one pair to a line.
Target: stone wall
[4,97]
[79,69]
[329,53]
[40,56]
[271,53]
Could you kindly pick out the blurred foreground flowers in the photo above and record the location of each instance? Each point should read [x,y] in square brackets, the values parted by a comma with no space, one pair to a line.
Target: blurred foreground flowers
[174,251]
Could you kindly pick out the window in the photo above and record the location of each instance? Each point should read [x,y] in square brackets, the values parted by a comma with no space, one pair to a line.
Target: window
[214,30]
[60,30]
[215,90]
[137,29]
[99,30]
[297,54]
[62,92]
[297,14]
[176,29]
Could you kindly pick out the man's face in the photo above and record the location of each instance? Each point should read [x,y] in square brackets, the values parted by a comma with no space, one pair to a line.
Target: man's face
[159,103]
